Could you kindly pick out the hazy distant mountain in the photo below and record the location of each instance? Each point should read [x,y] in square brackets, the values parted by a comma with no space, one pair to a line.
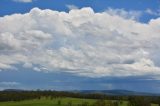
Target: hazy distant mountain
[118,92]
[107,92]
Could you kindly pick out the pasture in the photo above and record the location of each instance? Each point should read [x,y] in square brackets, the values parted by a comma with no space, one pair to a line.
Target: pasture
[58,102]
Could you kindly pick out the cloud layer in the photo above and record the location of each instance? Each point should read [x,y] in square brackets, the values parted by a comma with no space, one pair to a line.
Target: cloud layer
[80,42]
[23,1]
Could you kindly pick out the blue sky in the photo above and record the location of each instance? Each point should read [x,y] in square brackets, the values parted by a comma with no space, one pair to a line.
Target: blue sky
[80,44]
[9,6]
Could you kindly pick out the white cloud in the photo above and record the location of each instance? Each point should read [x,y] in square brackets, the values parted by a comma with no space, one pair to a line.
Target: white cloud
[5,66]
[81,42]
[23,1]
[71,7]
[9,83]
[125,14]
[151,12]
[37,69]
[27,65]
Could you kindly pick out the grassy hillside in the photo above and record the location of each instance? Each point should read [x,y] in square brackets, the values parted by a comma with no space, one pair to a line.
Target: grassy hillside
[47,102]
[54,102]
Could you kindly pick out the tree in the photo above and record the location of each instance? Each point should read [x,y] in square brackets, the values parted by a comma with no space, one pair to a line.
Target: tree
[69,103]
[139,101]
[100,103]
[59,102]
[115,103]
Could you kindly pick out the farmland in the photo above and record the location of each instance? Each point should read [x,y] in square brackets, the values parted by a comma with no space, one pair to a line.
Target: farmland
[59,102]
[62,98]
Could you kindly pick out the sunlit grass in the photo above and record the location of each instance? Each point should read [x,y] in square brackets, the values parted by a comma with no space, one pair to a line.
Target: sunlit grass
[54,102]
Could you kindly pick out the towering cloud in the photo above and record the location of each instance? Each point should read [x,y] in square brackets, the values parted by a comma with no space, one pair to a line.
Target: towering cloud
[81,42]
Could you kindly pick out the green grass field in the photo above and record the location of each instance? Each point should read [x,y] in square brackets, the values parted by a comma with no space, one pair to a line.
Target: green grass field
[54,102]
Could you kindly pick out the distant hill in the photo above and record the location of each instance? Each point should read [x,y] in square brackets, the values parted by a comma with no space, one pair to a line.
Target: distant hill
[107,92]
[118,92]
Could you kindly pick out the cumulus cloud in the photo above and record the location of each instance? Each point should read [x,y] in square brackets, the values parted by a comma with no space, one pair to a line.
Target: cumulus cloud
[23,1]
[80,42]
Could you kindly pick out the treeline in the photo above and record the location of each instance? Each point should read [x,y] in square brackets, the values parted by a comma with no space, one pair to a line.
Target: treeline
[29,95]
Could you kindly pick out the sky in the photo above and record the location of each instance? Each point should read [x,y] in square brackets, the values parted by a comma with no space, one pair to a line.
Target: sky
[80,45]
